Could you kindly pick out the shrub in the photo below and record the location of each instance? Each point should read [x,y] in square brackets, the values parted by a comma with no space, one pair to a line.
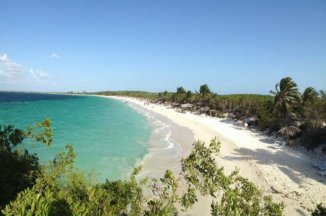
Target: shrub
[319,211]
[314,137]
[61,190]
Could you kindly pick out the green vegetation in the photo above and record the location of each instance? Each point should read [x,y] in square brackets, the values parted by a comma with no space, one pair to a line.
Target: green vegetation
[205,93]
[18,168]
[319,211]
[137,94]
[56,188]
[286,108]
[287,97]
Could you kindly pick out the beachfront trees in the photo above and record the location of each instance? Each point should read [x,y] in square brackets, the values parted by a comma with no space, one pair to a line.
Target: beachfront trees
[137,94]
[204,93]
[322,94]
[309,96]
[189,96]
[314,115]
[180,94]
[287,107]
[181,91]
[311,107]
[287,97]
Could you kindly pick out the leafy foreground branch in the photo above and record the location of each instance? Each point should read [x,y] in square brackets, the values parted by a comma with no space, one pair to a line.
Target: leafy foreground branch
[57,188]
[19,169]
[232,194]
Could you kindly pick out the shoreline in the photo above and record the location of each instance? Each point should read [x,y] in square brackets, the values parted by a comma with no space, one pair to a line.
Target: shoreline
[281,172]
[167,142]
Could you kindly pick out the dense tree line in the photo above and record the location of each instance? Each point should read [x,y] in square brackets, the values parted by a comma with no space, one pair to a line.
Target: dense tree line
[137,94]
[285,107]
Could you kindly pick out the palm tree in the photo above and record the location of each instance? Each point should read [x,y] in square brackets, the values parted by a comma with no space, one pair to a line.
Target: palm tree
[309,96]
[204,91]
[312,107]
[322,94]
[189,96]
[180,93]
[287,97]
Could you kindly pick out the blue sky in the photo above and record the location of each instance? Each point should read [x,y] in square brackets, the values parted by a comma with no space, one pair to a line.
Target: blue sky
[233,46]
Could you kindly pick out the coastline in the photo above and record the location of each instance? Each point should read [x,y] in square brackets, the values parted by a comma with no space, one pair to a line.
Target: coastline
[168,144]
[281,172]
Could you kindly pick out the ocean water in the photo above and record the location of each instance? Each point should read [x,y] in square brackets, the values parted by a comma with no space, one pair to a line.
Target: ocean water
[109,137]
[164,149]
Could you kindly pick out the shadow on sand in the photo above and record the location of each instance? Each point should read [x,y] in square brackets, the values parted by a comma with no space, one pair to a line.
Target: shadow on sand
[291,163]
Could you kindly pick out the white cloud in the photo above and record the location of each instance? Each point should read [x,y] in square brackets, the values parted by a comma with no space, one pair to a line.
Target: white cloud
[12,73]
[55,56]
[38,74]
[9,70]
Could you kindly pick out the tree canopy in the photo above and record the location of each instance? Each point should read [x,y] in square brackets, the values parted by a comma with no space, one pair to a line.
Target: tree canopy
[287,96]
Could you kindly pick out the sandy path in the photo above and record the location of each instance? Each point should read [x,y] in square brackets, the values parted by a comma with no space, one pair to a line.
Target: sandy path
[285,174]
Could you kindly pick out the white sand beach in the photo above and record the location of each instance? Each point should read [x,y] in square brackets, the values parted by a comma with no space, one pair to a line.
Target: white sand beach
[286,174]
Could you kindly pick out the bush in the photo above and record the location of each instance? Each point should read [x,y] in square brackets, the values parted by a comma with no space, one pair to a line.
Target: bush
[314,137]
[319,211]
[60,190]
[18,168]
[268,121]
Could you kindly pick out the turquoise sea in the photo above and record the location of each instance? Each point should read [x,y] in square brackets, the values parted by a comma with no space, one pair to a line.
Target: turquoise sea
[108,136]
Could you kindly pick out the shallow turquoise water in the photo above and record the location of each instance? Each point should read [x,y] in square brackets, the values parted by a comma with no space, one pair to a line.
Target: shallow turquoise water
[108,136]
